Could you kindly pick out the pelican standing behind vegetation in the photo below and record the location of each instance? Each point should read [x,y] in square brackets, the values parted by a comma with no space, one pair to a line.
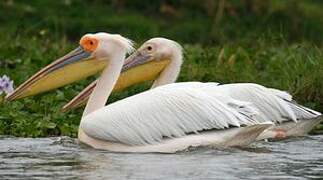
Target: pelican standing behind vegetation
[272,105]
[165,119]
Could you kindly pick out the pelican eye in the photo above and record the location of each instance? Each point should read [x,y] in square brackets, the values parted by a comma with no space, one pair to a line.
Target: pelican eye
[89,44]
[149,48]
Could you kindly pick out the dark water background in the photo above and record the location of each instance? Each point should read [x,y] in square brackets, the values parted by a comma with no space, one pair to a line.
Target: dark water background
[64,158]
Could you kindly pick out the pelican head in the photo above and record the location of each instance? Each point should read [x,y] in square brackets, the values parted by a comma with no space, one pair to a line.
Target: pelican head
[156,49]
[166,53]
[103,45]
[92,55]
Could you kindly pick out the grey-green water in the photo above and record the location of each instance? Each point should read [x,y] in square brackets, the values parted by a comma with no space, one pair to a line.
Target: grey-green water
[63,158]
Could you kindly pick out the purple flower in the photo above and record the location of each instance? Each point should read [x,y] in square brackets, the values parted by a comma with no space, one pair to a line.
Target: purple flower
[6,85]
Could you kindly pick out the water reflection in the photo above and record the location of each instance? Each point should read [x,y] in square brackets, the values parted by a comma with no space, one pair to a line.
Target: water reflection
[64,158]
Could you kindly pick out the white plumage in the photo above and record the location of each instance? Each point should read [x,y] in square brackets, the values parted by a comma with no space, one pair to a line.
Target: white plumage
[273,105]
[270,104]
[168,111]
[177,109]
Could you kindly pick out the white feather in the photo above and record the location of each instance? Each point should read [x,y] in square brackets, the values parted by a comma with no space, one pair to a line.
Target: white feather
[273,105]
[170,111]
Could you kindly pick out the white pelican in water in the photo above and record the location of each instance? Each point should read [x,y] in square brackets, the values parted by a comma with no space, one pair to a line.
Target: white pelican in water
[165,119]
[273,105]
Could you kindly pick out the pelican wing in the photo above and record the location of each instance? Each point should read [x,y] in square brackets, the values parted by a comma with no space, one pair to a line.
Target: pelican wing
[273,105]
[168,111]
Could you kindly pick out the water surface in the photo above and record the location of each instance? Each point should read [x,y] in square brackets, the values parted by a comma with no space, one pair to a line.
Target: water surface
[64,158]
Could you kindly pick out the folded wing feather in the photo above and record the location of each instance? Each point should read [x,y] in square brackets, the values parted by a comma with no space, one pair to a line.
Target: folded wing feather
[274,105]
[168,111]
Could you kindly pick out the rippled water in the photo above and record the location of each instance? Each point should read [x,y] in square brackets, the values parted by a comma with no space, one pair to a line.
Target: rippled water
[63,158]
